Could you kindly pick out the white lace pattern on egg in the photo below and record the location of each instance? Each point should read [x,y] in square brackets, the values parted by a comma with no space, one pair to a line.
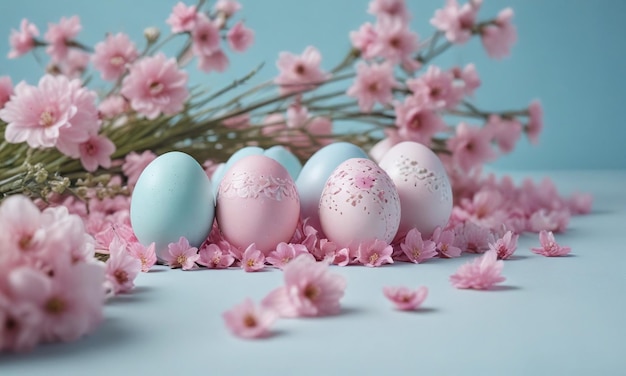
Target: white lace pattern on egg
[245,185]
[411,169]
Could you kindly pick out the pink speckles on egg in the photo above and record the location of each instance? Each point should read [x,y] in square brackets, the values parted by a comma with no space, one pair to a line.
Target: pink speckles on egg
[359,203]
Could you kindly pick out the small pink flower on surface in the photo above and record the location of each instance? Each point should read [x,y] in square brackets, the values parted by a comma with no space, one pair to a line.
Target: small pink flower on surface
[113,54]
[252,259]
[181,255]
[183,18]
[580,203]
[363,40]
[498,37]
[394,41]
[506,132]
[239,37]
[205,36]
[456,21]
[58,36]
[96,151]
[228,7]
[146,255]
[134,165]
[389,8]
[505,246]
[155,85]
[373,83]
[374,253]
[24,40]
[444,243]
[332,254]
[6,90]
[470,146]
[535,121]
[284,253]
[469,77]
[247,320]
[549,246]
[300,72]
[404,298]
[21,323]
[417,122]
[481,273]
[215,61]
[416,249]
[310,290]
[472,238]
[548,220]
[213,257]
[436,88]
[121,267]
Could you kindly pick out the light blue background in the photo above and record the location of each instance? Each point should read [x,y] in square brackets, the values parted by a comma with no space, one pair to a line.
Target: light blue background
[570,54]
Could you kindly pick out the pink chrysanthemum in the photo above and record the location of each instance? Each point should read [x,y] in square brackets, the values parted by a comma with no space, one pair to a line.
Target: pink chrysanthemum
[247,320]
[505,246]
[471,146]
[481,273]
[252,259]
[239,37]
[96,151]
[146,255]
[156,85]
[183,18]
[24,40]
[416,121]
[499,36]
[374,253]
[6,90]
[121,267]
[416,249]
[549,246]
[456,21]
[404,298]
[284,253]
[213,257]
[181,255]
[112,56]
[58,36]
[373,83]
[299,72]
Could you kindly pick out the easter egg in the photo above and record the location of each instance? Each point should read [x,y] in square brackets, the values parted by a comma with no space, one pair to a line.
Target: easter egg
[316,171]
[359,203]
[423,186]
[172,198]
[257,202]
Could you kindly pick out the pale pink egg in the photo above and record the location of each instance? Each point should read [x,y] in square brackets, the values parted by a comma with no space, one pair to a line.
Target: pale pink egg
[359,203]
[257,202]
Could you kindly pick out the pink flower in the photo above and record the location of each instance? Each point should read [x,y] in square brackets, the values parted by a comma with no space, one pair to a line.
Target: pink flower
[505,246]
[535,121]
[499,36]
[481,273]
[299,73]
[247,320]
[74,64]
[21,322]
[389,8]
[436,88]
[134,165]
[213,257]
[549,246]
[145,255]
[58,36]
[373,83]
[155,84]
[310,290]
[471,146]
[183,18]
[505,132]
[580,203]
[444,243]
[205,36]
[239,37]
[404,298]
[416,121]
[21,231]
[469,77]
[472,238]
[416,249]
[24,40]
[284,253]
[374,253]
[456,21]
[121,267]
[181,255]
[394,41]
[6,90]
[215,61]
[113,106]
[83,124]
[364,39]
[252,259]
[228,7]
[549,220]
[96,151]
[112,56]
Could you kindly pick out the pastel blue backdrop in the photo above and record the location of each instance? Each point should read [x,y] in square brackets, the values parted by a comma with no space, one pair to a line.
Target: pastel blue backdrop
[570,54]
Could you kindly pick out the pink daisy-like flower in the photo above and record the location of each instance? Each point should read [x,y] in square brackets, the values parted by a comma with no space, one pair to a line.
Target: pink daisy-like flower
[535,121]
[389,8]
[156,85]
[299,72]
[404,298]
[239,37]
[227,7]
[96,151]
[213,257]
[549,246]
[471,146]
[181,255]
[436,88]
[6,90]
[145,255]
[394,41]
[363,40]
[58,36]
[417,122]
[310,290]
[456,21]
[444,243]
[113,55]
[505,246]
[499,36]
[247,320]
[24,40]
[374,253]
[373,83]
[215,61]
[284,253]
[416,249]
[183,18]
[252,259]
[481,273]
[134,165]
[205,37]
[121,267]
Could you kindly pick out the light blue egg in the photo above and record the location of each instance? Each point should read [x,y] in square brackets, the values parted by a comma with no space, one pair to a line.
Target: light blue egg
[283,156]
[315,172]
[217,177]
[172,198]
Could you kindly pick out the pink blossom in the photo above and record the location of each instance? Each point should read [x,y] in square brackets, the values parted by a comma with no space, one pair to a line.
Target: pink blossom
[6,90]
[374,253]
[284,253]
[364,39]
[113,106]
[389,8]
[299,72]
[155,84]
[310,290]
[549,246]
[404,298]
[456,21]
[505,246]
[580,203]
[215,61]
[181,255]
[550,220]
[228,7]
[24,40]
[247,320]
[252,259]
[394,41]
[470,146]
[505,132]
[205,36]
[21,231]
[145,255]
[121,267]
[535,121]
[436,88]
[373,83]
[481,273]
[74,64]
[96,151]
[239,37]
[469,77]
[20,324]
[58,36]
[485,208]
[134,165]
[183,18]
[213,257]
[112,56]
[472,238]
[83,124]
[329,252]
[417,122]
[444,243]
[416,249]
[498,37]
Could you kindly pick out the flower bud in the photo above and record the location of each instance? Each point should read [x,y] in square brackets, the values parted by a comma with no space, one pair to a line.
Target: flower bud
[151,34]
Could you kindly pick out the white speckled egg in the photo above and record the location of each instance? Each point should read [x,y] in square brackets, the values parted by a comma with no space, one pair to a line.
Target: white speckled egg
[359,203]
[172,198]
[423,186]
[257,202]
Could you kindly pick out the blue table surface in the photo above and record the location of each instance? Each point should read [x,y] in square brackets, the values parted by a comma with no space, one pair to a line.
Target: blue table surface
[552,316]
